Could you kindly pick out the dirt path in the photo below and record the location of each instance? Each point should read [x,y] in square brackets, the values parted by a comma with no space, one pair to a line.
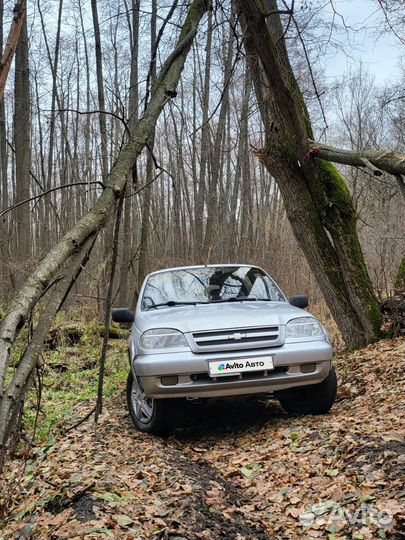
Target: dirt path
[234,470]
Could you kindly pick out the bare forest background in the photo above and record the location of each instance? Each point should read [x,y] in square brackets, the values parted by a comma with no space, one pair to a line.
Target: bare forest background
[81,79]
[142,134]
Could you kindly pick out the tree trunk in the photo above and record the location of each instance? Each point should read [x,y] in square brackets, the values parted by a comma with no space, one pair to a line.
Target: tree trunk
[3,179]
[133,115]
[150,164]
[100,91]
[316,199]
[19,16]
[22,145]
[54,70]
[205,147]
[108,232]
[245,238]
[107,314]
[212,198]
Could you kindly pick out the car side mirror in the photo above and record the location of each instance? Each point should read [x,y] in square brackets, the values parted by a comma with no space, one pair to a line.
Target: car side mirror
[299,301]
[123,315]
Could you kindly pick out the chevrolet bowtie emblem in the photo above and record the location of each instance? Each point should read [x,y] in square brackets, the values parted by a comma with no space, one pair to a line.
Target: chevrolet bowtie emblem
[237,336]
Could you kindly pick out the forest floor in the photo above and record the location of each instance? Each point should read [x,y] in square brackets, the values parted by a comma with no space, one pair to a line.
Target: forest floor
[234,469]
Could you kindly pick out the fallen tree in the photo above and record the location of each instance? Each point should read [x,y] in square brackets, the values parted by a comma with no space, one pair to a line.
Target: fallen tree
[72,247]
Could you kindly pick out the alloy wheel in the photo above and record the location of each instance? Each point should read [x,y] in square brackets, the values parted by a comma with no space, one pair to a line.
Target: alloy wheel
[142,405]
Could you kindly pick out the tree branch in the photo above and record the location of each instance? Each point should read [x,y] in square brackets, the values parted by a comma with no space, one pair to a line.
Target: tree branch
[279,12]
[97,111]
[375,160]
[152,63]
[25,201]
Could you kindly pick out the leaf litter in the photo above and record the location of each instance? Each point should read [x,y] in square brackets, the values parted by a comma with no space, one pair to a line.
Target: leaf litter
[234,469]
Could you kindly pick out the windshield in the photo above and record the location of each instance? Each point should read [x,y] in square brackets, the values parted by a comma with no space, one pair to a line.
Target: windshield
[209,285]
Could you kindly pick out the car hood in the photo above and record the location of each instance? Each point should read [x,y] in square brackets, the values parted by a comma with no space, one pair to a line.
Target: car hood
[217,316]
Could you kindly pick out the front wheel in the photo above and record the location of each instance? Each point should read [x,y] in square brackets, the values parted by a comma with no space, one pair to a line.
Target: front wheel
[313,399]
[148,415]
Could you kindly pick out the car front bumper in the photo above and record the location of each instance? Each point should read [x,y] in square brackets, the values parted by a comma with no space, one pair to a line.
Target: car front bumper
[295,364]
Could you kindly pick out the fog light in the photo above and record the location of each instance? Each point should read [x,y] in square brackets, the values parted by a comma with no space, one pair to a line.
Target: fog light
[170,380]
[308,368]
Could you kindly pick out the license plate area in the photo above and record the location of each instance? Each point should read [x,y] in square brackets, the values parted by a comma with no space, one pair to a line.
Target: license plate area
[222,368]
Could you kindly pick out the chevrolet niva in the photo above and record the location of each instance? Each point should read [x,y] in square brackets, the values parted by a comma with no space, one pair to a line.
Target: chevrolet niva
[223,330]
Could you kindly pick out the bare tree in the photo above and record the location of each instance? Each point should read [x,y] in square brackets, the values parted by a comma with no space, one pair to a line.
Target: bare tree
[218,150]
[205,147]
[3,171]
[22,144]
[150,164]
[130,217]
[53,62]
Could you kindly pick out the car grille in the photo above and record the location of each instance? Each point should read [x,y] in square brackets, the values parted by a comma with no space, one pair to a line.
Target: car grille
[236,338]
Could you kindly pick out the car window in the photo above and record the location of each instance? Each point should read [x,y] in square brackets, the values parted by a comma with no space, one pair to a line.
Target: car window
[209,284]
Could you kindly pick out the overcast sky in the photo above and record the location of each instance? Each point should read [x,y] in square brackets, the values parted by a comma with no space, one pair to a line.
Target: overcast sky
[380,55]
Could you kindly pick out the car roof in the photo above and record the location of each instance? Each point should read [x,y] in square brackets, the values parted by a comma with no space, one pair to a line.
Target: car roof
[228,265]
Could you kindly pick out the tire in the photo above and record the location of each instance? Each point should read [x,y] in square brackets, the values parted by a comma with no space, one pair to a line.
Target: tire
[155,416]
[313,399]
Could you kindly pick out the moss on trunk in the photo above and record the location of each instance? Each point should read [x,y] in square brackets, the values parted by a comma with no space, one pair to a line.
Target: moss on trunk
[339,218]
[335,188]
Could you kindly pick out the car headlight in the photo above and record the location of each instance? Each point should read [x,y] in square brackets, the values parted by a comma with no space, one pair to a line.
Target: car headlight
[303,327]
[162,338]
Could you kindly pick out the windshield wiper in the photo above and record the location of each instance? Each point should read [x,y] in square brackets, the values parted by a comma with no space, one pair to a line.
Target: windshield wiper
[172,303]
[235,299]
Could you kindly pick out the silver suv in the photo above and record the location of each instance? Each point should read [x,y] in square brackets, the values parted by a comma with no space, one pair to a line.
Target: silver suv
[223,330]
